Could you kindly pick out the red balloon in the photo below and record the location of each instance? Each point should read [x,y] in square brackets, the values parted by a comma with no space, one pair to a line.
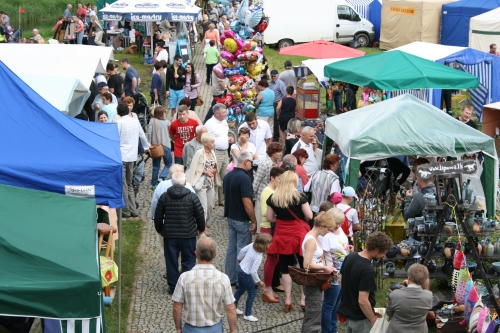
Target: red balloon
[239,79]
[227,100]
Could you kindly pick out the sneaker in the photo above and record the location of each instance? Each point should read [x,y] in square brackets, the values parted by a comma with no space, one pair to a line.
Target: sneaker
[239,312]
[250,318]
[153,188]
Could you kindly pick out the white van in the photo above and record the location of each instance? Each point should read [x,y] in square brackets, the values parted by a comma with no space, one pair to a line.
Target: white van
[299,21]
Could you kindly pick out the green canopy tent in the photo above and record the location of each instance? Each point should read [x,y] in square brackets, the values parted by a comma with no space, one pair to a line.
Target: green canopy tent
[406,125]
[48,251]
[397,70]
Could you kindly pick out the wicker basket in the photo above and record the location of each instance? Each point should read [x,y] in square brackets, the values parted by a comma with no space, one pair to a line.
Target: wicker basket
[303,277]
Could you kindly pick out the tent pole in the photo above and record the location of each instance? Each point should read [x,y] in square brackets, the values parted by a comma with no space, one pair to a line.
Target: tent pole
[119,268]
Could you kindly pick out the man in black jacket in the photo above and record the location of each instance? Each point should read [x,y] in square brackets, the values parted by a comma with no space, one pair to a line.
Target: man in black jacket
[176,78]
[179,218]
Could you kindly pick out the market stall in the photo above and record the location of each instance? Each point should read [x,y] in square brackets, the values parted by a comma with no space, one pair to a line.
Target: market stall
[456,18]
[59,155]
[484,30]
[405,125]
[155,11]
[406,21]
[398,70]
[485,66]
[51,260]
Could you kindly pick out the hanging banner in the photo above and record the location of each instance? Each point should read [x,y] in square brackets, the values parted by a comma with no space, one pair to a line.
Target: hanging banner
[449,168]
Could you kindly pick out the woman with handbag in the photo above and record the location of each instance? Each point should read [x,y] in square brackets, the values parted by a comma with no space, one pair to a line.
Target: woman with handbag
[290,210]
[324,182]
[314,260]
[159,139]
[193,82]
[204,176]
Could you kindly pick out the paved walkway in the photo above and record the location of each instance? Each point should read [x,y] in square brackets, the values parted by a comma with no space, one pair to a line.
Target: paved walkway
[151,308]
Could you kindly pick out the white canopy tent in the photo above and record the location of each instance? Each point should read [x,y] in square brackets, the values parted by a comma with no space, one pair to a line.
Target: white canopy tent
[60,73]
[152,11]
[429,51]
[484,30]
[316,66]
[60,60]
[66,94]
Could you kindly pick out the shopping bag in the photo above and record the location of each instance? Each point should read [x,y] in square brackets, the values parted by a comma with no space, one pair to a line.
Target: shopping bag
[381,324]
[109,271]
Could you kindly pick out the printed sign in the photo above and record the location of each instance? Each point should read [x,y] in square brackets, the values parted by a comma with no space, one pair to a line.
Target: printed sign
[402,10]
[80,191]
[182,17]
[450,168]
[147,5]
[176,5]
[146,17]
[111,17]
[119,5]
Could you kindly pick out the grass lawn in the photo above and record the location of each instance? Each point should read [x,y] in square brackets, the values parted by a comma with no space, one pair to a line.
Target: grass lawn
[131,238]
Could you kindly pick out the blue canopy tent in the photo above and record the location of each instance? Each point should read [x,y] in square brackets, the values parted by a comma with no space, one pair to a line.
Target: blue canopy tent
[456,16]
[370,10]
[483,65]
[43,149]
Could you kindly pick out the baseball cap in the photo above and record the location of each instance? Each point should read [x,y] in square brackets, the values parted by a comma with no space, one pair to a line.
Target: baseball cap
[274,72]
[349,192]
[336,198]
[101,85]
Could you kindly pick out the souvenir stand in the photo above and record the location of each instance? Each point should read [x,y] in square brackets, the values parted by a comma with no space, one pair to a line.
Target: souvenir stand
[378,131]
[154,11]
[458,216]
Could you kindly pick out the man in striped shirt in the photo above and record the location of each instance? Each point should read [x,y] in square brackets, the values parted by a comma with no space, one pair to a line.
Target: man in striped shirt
[203,292]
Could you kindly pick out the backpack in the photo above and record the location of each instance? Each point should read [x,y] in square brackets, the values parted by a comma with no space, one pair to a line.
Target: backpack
[345,225]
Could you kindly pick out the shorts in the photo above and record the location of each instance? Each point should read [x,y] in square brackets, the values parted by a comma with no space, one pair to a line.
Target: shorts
[175,97]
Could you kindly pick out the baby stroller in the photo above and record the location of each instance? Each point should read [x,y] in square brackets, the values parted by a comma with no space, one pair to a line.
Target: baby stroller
[141,108]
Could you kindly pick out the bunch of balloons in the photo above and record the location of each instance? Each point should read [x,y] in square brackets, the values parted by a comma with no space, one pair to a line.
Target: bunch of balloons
[242,60]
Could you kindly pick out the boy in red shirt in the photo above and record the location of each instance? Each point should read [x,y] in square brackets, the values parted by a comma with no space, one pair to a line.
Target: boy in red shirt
[182,130]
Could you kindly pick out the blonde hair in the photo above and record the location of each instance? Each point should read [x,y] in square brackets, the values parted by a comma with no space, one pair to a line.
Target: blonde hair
[324,219]
[175,168]
[211,26]
[207,137]
[286,193]
[262,242]
[337,215]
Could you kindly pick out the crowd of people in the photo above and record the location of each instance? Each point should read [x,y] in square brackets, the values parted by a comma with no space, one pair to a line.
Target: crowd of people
[281,195]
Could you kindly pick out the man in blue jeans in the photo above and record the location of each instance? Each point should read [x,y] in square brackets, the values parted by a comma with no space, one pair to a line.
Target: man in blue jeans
[238,209]
[179,218]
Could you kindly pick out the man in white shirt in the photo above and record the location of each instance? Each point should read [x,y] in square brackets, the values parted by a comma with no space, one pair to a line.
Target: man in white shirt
[160,54]
[260,133]
[220,25]
[305,142]
[130,132]
[217,125]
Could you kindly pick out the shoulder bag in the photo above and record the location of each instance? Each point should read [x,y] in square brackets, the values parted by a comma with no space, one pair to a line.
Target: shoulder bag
[199,184]
[156,150]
